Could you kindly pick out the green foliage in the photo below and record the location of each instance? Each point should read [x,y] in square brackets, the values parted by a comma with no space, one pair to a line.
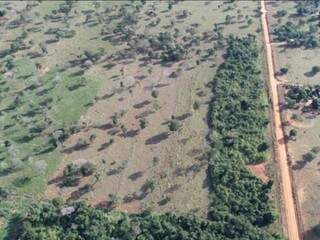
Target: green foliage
[316,230]
[299,94]
[72,173]
[308,157]
[281,13]
[155,93]
[293,133]
[196,105]
[2,12]
[174,125]
[295,37]
[283,71]
[45,221]
[315,69]
[238,120]
[143,123]
[315,149]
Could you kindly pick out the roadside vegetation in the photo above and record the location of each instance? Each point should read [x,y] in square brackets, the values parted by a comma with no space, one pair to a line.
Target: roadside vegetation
[238,118]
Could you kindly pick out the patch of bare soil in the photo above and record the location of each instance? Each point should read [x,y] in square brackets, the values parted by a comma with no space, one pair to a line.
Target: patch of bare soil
[259,170]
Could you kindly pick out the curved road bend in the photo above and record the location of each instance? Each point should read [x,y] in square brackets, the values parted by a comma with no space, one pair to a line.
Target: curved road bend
[281,151]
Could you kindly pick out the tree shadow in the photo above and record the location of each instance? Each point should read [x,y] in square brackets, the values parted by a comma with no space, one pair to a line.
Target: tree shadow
[130,134]
[56,180]
[141,104]
[299,165]
[104,146]
[157,138]
[144,114]
[104,126]
[309,74]
[80,192]
[13,228]
[136,175]
[75,147]
[113,132]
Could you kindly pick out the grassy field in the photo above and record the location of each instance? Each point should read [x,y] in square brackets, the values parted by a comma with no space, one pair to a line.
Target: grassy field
[128,159]
[299,62]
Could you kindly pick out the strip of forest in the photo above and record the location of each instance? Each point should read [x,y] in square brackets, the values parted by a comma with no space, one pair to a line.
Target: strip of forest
[238,119]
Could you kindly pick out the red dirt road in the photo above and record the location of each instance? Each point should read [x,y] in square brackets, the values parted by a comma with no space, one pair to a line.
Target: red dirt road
[280,148]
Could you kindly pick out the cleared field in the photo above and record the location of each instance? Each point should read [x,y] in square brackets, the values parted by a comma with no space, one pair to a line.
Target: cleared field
[299,62]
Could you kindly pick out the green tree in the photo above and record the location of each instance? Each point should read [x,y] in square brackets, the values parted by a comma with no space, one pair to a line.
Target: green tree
[293,133]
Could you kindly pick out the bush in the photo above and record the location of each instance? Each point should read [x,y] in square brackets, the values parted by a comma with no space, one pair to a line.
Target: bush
[2,12]
[87,169]
[308,157]
[155,93]
[315,150]
[196,105]
[143,123]
[57,201]
[316,230]
[174,125]
[70,181]
[70,170]
[293,133]
[315,69]
[283,71]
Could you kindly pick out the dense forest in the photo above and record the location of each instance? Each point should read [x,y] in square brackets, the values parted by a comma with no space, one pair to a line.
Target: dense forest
[80,221]
[238,117]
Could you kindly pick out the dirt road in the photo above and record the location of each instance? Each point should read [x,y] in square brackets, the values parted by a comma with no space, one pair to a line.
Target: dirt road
[280,148]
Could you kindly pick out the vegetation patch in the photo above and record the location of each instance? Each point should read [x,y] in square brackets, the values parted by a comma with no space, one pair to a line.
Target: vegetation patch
[238,119]
[52,220]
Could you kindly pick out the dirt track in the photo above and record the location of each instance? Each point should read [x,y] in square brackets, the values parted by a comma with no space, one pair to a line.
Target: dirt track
[280,148]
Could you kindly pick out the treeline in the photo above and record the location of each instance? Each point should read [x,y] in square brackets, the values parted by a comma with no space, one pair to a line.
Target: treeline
[238,118]
[51,220]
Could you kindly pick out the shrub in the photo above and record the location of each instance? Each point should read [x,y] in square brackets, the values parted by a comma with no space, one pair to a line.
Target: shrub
[155,93]
[87,169]
[70,181]
[315,149]
[196,105]
[174,125]
[308,157]
[283,71]
[143,123]
[57,201]
[293,133]
[315,69]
